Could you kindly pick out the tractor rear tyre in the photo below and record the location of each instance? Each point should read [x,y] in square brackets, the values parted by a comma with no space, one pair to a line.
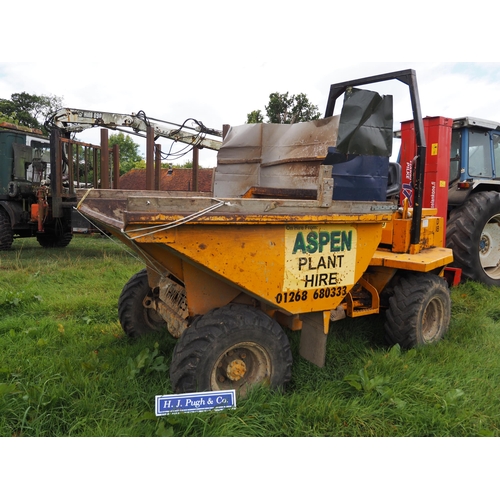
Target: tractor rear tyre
[419,310]
[135,319]
[473,233]
[234,347]
[6,234]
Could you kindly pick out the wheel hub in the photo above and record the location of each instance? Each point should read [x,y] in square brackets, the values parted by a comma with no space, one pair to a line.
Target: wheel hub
[484,244]
[236,370]
[431,320]
[489,248]
[241,366]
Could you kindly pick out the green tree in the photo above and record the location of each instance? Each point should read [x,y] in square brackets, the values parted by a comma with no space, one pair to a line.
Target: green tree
[129,152]
[255,116]
[285,108]
[8,119]
[140,164]
[30,110]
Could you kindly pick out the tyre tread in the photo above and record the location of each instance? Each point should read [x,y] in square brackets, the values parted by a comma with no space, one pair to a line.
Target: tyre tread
[207,329]
[6,235]
[402,316]
[464,228]
[129,304]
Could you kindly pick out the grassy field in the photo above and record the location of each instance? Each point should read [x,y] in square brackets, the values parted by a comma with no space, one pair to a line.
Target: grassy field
[66,368]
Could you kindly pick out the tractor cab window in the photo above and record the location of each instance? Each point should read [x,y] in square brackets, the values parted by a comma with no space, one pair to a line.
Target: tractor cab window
[456,141]
[479,154]
[496,153]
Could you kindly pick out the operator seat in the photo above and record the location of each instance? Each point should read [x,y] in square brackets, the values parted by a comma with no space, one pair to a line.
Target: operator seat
[394,180]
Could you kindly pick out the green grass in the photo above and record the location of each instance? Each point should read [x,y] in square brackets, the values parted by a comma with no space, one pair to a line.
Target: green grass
[66,368]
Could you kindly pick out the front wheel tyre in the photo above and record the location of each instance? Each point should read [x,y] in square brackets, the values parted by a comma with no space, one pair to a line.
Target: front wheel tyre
[419,310]
[234,347]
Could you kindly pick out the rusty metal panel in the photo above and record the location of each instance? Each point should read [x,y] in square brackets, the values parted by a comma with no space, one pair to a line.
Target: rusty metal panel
[298,142]
[273,155]
[161,208]
[235,179]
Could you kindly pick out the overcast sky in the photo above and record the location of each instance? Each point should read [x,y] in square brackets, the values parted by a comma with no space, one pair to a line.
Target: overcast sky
[217,61]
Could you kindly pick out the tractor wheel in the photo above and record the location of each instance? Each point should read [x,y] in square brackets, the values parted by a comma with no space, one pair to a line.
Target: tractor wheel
[473,233]
[135,319]
[6,235]
[54,240]
[419,310]
[234,347]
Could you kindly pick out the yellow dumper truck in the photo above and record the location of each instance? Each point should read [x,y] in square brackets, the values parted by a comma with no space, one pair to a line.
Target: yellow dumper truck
[303,227]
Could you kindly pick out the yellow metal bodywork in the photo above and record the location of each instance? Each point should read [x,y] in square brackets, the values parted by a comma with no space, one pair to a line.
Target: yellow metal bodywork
[287,266]
[396,234]
[427,260]
[396,251]
[296,268]
[291,258]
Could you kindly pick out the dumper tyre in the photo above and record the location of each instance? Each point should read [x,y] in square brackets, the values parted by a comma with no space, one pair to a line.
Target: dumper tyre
[419,310]
[6,234]
[135,319]
[473,233]
[234,347]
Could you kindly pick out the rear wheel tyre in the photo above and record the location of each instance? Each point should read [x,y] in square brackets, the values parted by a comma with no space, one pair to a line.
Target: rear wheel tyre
[135,319]
[419,311]
[473,233]
[234,347]
[6,234]
[54,240]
